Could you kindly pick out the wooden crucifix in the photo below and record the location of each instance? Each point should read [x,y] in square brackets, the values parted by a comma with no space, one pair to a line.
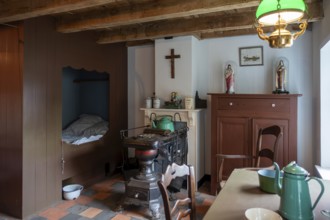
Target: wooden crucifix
[172,57]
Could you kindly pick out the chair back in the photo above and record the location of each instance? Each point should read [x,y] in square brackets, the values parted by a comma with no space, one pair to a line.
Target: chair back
[272,152]
[177,210]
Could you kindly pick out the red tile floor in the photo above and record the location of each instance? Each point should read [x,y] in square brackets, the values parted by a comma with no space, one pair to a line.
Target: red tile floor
[101,200]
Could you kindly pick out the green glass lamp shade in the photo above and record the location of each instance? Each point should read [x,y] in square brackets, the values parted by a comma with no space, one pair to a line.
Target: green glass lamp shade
[290,11]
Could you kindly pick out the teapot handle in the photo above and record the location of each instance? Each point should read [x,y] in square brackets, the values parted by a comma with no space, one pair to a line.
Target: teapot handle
[152,117]
[321,192]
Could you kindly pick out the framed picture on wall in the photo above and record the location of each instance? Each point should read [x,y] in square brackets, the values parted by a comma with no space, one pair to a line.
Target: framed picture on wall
[251,56]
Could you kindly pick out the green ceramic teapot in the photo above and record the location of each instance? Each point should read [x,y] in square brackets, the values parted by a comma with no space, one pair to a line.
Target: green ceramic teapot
[164,122]
[295,201]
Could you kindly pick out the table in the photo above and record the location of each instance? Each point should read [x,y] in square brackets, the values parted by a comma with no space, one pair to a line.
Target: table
[242,192]
[324,172]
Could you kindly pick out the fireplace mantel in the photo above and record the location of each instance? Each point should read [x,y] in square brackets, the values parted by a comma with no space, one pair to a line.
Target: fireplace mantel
[195,119]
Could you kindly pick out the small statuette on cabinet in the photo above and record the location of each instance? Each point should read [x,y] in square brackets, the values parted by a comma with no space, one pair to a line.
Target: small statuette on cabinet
[229,78]
[280,76]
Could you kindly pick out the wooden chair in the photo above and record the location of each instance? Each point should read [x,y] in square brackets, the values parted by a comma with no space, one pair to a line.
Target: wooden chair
[176,211]
[270,153]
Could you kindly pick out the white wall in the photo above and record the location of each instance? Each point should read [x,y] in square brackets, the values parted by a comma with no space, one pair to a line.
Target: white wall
[190,69]
[215,53]
[321,37]
[141,82]
[325,106]
[182,82]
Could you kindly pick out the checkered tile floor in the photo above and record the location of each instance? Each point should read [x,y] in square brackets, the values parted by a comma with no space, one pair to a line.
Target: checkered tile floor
[101,201]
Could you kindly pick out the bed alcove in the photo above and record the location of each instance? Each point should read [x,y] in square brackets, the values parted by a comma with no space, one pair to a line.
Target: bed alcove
[85,114]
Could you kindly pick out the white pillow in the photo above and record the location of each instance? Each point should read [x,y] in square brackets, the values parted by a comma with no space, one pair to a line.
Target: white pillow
[99,128]
[85,121]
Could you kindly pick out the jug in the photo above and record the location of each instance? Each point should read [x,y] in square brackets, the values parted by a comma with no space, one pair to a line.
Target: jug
[295,203]
[165,123]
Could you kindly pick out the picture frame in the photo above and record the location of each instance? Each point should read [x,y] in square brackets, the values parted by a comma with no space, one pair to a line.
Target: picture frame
[251,56]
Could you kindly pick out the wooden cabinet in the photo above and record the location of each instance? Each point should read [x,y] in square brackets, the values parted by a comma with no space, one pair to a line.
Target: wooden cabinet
[235,122]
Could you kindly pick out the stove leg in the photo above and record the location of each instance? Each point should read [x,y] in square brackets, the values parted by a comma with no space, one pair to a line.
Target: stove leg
[120,204]
[154,208]
[119,208]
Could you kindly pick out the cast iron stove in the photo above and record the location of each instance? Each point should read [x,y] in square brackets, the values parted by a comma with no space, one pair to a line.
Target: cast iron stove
[142,189]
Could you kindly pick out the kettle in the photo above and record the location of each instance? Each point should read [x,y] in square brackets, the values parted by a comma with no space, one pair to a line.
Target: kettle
[295,203]
[165,123]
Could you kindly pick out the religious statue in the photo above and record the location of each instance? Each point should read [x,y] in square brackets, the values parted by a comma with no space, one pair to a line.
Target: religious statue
[280,82]
[229,76]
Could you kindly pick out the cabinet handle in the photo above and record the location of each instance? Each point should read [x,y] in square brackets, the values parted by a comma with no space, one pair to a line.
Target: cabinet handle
[230,103]
[273,105]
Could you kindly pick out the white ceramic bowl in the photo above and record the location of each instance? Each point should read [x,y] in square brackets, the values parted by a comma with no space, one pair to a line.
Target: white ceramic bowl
[261,214]
[72,192]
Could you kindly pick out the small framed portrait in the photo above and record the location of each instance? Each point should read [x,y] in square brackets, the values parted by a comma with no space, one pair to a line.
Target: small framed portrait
[251,56]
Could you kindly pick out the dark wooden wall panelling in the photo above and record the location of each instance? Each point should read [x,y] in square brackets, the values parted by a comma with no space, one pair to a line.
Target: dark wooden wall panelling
[31,152]
[11,119]
[118,102]
[41,118]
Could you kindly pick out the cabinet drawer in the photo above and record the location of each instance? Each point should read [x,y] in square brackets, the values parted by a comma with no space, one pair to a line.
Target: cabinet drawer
[257,105]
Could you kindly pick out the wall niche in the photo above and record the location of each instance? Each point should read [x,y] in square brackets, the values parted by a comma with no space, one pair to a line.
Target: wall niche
[84,92]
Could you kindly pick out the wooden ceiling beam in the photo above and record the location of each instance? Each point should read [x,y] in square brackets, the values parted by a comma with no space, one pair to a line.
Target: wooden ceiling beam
[231,33]
[20,10]
[135,20]
[233,23]
[139,43]
[179,28]
[151,11]
[315,11]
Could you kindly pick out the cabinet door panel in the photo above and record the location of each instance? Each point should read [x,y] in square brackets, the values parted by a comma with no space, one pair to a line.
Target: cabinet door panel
[233,138]
[283,145]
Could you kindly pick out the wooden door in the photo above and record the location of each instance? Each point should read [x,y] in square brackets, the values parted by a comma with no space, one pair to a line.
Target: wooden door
[233,137]
[283,145]
[11,99]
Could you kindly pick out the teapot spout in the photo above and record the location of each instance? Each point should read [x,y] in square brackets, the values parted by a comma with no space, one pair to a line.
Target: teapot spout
[277,183]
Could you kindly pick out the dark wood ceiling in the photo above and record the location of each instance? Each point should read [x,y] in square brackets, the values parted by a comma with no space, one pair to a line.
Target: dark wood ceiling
[145,20]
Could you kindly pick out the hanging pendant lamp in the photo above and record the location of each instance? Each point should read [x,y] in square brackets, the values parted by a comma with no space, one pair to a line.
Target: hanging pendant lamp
[279,14]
